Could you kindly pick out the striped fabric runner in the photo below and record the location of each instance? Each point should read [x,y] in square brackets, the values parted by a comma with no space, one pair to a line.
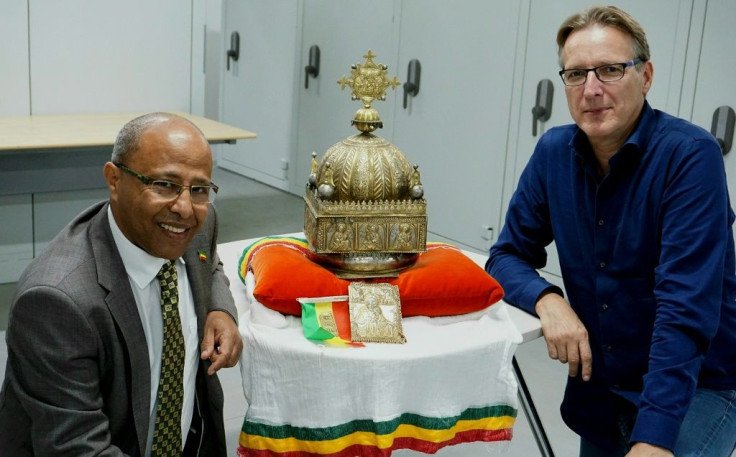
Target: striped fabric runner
[379,439]
[298,244]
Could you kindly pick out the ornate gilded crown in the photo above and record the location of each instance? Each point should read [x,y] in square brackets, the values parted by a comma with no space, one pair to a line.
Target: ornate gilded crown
[365,212]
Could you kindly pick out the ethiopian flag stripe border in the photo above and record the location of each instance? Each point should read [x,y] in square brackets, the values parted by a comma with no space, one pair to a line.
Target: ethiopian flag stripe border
[246,258]
[292,242]
[408,431]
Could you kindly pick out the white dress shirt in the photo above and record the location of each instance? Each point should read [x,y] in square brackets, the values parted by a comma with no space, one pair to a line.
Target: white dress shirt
[142,269]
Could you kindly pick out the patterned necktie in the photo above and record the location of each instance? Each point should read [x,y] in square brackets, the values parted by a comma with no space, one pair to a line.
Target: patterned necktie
[167,429]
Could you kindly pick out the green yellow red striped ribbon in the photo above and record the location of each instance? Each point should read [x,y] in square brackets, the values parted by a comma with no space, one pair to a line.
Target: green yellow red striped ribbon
[296,243]
[408,431]
[250,251]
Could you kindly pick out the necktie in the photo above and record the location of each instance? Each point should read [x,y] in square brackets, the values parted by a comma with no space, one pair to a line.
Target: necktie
[167,429]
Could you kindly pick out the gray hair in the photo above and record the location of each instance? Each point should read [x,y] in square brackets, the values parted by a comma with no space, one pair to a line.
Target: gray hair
[609,16]
[128,140]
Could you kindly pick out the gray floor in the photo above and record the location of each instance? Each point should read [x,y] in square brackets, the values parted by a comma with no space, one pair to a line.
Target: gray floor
[250,209]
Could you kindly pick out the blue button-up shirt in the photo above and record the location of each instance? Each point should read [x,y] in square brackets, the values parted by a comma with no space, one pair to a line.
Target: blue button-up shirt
[647,260]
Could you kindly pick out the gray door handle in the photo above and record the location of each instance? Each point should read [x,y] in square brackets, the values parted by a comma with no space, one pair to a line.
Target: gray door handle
[313,68]
[413,75]
[722,127]
[543,108]
[234,51]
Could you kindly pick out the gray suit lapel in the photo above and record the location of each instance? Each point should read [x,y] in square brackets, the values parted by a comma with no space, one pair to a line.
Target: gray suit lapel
[111,275]
[198,259]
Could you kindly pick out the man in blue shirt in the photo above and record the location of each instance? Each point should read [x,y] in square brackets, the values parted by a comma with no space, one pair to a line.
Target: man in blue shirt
[637,204]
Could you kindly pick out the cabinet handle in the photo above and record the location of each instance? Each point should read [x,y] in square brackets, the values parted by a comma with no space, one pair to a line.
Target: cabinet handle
[722,127]
[543,108]
[313,68]
[234,51]
[413,75]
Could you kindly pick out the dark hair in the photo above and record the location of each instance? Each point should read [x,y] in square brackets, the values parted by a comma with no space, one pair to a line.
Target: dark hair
[609,16]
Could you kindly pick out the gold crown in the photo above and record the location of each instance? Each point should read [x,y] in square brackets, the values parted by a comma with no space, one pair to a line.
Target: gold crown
[365,212]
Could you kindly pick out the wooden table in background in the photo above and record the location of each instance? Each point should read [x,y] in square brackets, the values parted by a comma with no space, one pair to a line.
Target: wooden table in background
[64,131]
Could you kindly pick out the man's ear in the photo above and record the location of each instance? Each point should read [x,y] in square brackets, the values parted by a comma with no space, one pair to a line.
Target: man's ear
[112,177]
[648,75]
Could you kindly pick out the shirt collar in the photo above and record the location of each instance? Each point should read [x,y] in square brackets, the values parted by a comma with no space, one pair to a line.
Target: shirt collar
[639,138]
[141,266]
[636,143]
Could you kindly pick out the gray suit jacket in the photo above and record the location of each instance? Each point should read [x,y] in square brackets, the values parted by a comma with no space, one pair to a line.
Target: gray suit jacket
[77,380]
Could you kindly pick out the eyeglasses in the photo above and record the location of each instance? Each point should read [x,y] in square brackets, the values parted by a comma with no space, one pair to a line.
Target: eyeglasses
[168,190]
[605,73]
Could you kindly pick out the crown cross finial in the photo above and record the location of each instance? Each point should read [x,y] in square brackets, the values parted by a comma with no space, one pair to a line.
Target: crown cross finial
[368,81]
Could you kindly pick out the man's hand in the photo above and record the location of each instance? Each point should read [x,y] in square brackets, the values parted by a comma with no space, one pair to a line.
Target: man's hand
[648,450]
[221,342]
[566,336]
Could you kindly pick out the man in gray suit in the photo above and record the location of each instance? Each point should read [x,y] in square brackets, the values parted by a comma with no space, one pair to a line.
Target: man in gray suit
[86,327]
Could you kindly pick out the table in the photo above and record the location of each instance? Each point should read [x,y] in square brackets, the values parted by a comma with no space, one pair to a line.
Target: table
[293,397]
[530,329]
[39,132]
[49,153]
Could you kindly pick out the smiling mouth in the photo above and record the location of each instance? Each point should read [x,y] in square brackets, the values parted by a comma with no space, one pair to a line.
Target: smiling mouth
[171,228]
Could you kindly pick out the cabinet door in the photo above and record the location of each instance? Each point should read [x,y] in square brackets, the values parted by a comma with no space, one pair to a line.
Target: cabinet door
[259,87]
[52,211]
[15,99]
[715,86]
[16,227]
[455,129]
[344,30]
[666,24]
[132,55]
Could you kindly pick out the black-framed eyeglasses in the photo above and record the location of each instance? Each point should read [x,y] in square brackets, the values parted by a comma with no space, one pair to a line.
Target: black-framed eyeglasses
[605,73]
[167,190]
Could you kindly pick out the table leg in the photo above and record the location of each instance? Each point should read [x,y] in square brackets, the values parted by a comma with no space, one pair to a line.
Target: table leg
[531,413]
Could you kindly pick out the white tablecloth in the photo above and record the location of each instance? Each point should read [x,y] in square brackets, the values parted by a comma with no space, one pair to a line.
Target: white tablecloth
[451,383]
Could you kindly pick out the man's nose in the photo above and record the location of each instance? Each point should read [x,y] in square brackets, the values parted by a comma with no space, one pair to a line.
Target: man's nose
[182,204]
[592,86]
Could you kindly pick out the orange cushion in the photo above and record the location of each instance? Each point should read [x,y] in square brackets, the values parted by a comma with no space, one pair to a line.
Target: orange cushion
[442,282]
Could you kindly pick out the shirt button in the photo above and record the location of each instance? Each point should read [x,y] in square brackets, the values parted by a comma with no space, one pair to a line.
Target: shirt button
[604,307]
[600,221]
[608,348]
[603,264]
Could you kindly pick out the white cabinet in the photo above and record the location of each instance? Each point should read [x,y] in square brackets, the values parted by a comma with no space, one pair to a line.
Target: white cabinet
[711,72]
[666,24]
[264,90]
[132,55]
[259,87]
[14,58]
[52,211]
[344,31]
[456,127]
[16,227]
[85,57]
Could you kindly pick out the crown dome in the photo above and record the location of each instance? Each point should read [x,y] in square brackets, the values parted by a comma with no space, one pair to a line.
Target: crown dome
[366,167]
